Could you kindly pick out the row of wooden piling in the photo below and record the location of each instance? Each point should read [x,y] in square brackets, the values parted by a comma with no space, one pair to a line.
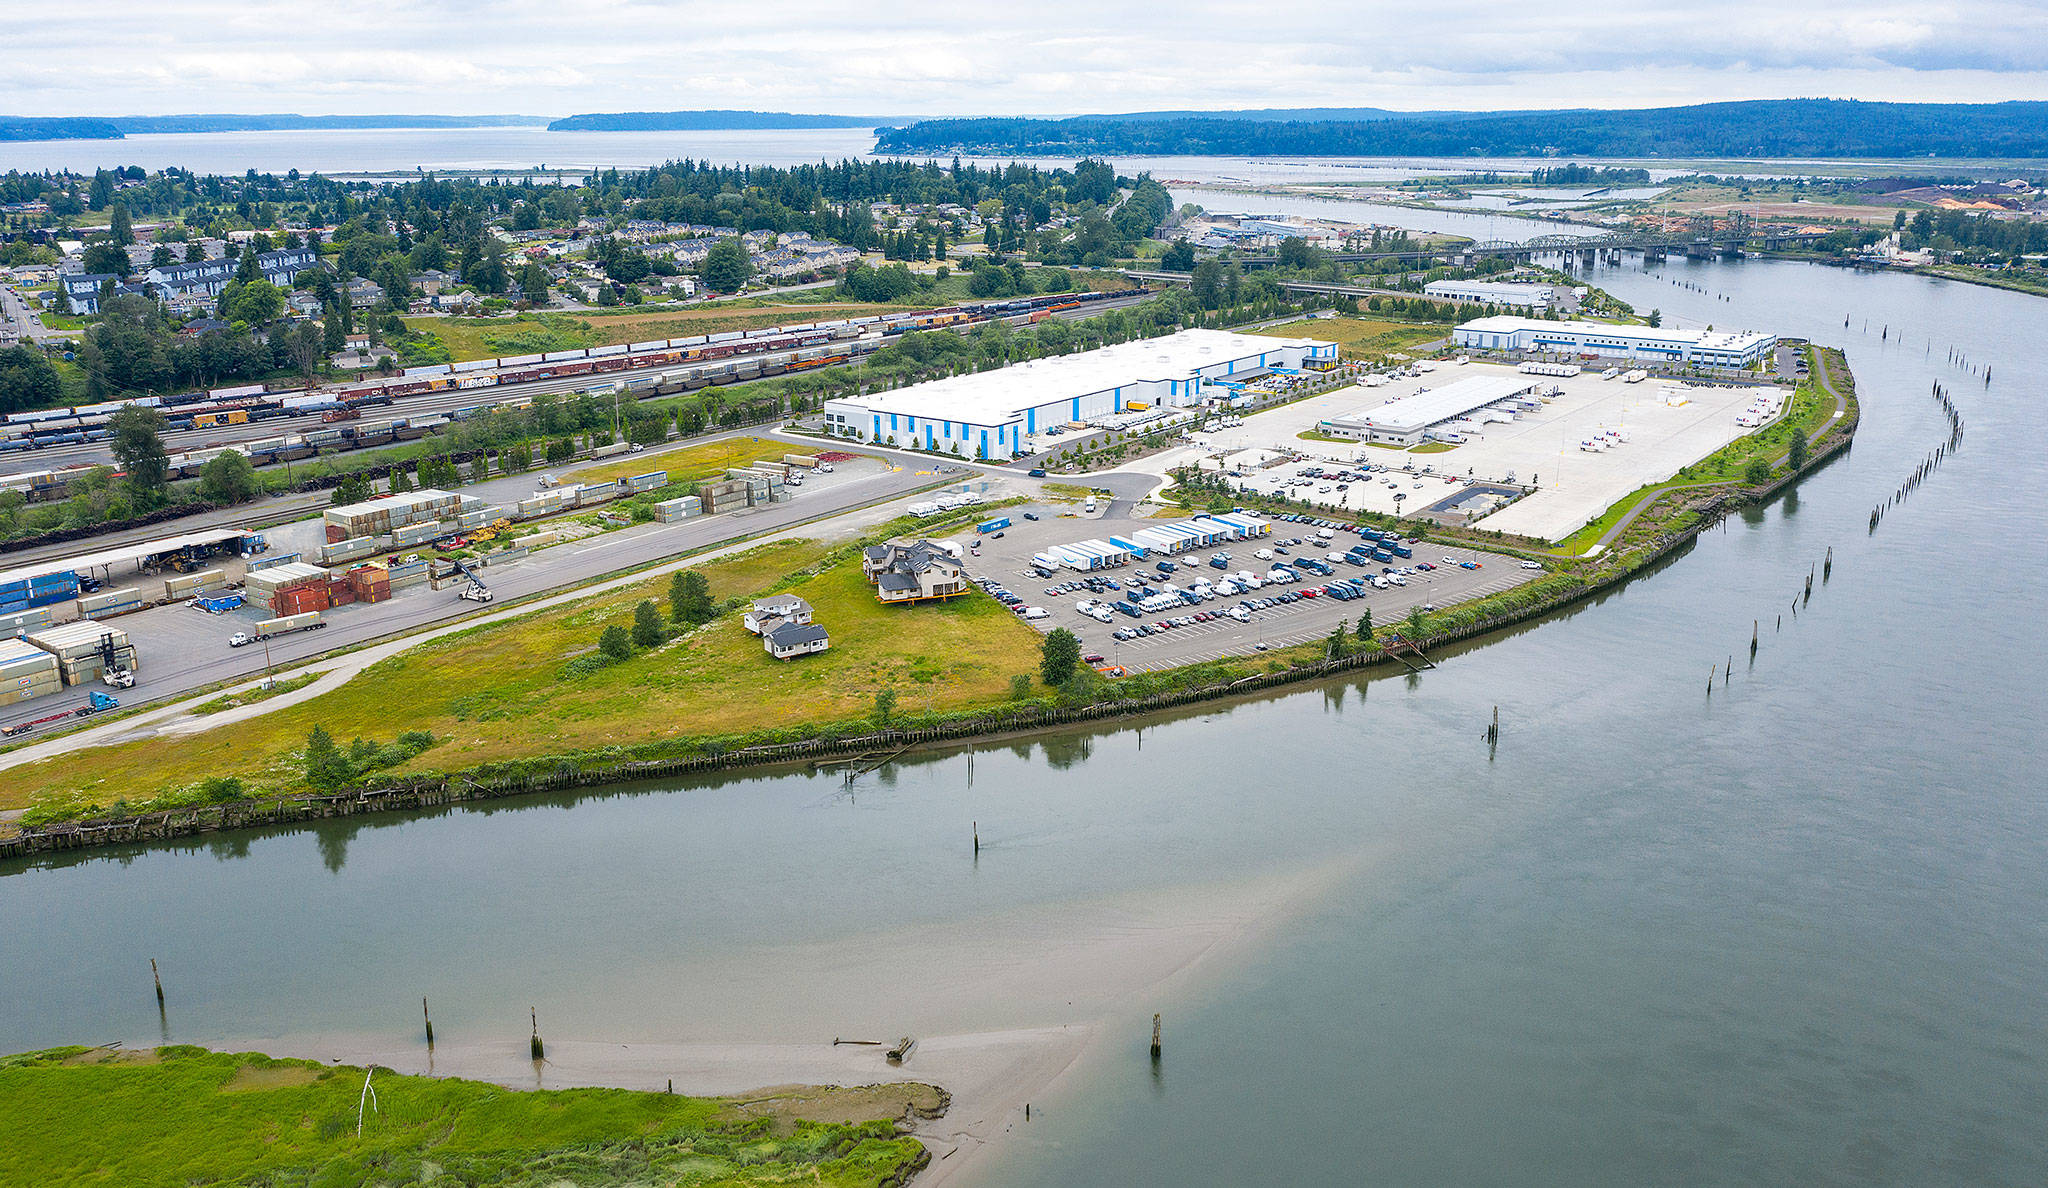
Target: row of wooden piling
[1931,462]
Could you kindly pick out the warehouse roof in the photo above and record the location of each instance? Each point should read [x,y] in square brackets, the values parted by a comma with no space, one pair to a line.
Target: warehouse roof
[995,397]
[1412,414]
[1716,340]
[130,552]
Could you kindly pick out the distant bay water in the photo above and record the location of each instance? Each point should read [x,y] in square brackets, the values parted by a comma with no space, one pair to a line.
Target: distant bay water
[397,151]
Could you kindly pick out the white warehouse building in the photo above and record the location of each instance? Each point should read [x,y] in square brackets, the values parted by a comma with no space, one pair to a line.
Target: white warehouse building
[995,415]
[1662,345]
[1408,420]
[1507,294]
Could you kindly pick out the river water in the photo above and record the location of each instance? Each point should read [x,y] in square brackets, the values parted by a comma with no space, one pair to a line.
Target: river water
[1792,932]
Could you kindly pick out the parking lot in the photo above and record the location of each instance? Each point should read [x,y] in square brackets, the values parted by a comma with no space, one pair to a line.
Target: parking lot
[1543,447]
[1206,630]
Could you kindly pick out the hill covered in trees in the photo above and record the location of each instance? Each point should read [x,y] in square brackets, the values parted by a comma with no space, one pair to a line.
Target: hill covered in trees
[1763,128]
[56,128]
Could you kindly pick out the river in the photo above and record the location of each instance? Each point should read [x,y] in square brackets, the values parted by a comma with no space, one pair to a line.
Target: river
[1792,932]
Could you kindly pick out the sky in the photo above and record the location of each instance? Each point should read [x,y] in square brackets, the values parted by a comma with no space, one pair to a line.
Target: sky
[1039,57]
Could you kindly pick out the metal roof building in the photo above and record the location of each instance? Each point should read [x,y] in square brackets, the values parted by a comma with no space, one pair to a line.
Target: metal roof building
[995,414]
[1404,421]
[1659,344]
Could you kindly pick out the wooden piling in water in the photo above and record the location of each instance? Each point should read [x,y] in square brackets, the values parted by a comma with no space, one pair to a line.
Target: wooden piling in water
[1155,1036]
[159,979]
[976,826]
[539,1052]
[429,1018]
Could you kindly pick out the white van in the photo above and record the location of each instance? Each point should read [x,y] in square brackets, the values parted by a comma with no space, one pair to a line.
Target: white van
[1240,614]
[1264,554]
[1034,612]
[1324,534]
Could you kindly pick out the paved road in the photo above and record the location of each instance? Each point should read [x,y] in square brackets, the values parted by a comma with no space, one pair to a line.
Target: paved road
[167,673]
[16,312]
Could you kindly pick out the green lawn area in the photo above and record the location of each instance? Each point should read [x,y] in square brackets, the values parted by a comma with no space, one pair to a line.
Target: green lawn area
[187,1116]
[1578,542]
[1362,337]
[687,465]
[500,691]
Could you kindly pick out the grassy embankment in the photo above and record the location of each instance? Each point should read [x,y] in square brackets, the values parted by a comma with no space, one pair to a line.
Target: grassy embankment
[500,691]
[185,1116]
[1360,339]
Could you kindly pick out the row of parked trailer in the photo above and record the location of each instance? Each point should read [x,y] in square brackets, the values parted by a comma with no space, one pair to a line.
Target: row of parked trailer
[701,361]
[1201,531]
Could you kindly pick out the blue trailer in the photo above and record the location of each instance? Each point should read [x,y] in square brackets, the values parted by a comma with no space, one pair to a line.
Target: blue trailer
[995,525]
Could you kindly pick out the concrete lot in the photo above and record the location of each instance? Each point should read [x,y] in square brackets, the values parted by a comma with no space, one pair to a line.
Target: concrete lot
[1009,561]
[180,648]
[1543,447]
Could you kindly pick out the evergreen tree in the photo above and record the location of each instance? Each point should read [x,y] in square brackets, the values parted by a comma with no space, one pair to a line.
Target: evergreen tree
[647,630]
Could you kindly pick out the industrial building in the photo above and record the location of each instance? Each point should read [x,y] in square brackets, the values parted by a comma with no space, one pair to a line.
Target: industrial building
[1661,345]
[1408,420]
[1506,294]
[995,415]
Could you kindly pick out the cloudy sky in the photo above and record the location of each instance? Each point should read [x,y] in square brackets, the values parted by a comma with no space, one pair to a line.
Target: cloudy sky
[920,57]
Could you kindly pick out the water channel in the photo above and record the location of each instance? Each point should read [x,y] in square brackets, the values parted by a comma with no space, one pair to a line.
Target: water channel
[1794,931]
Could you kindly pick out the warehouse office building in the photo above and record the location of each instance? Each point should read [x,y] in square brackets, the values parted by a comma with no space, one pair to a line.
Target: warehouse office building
[996,415]
[1662,345]
[1410,420]
[1506,294]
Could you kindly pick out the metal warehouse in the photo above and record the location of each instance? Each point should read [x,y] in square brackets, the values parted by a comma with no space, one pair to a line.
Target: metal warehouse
[1407,420]
[1659,344]
[1508,294]
[995,415]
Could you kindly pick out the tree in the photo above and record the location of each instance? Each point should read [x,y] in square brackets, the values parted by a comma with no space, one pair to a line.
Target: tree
[1415,620]
[1337,646]
[139,445]
[727,266]
[27,380]
[689,598]
[120,227]
[254,302]
[354,487]
[1365,626]
[1178,258]
[1656,317]
[1796,456]
[105,259]
[1058,657]
[885,706]
[1757,473]
[1296,252]
[1020,687]
[228,478]
[162,257]
[327,769]
[647,631]
[614,642]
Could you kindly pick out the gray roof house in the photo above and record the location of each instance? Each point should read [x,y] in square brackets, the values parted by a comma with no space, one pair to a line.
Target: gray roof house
[791,640]
[780,608]
[913,571]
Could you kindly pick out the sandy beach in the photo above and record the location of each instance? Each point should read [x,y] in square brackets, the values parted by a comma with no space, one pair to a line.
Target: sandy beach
[1035,987]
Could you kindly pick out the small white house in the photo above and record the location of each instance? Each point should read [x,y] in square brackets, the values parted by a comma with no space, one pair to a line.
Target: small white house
[782,608]
[790,640]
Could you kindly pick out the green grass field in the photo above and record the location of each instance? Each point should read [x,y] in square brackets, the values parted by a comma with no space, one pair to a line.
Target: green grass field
[500,691]
[1360,338]
[187,1116]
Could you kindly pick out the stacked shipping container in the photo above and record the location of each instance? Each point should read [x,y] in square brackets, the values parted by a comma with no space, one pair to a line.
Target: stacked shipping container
[80,649]
[26,672]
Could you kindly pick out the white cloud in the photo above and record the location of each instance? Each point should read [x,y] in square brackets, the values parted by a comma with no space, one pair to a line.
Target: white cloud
[553,57]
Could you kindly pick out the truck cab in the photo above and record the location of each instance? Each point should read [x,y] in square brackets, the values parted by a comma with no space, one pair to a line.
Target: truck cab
[240,638]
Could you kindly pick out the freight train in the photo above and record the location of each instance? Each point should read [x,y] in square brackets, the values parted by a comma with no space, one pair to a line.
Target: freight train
[686,364]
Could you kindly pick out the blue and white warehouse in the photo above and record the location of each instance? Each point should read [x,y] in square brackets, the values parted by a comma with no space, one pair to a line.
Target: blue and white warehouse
[997,415]
[1663,345]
